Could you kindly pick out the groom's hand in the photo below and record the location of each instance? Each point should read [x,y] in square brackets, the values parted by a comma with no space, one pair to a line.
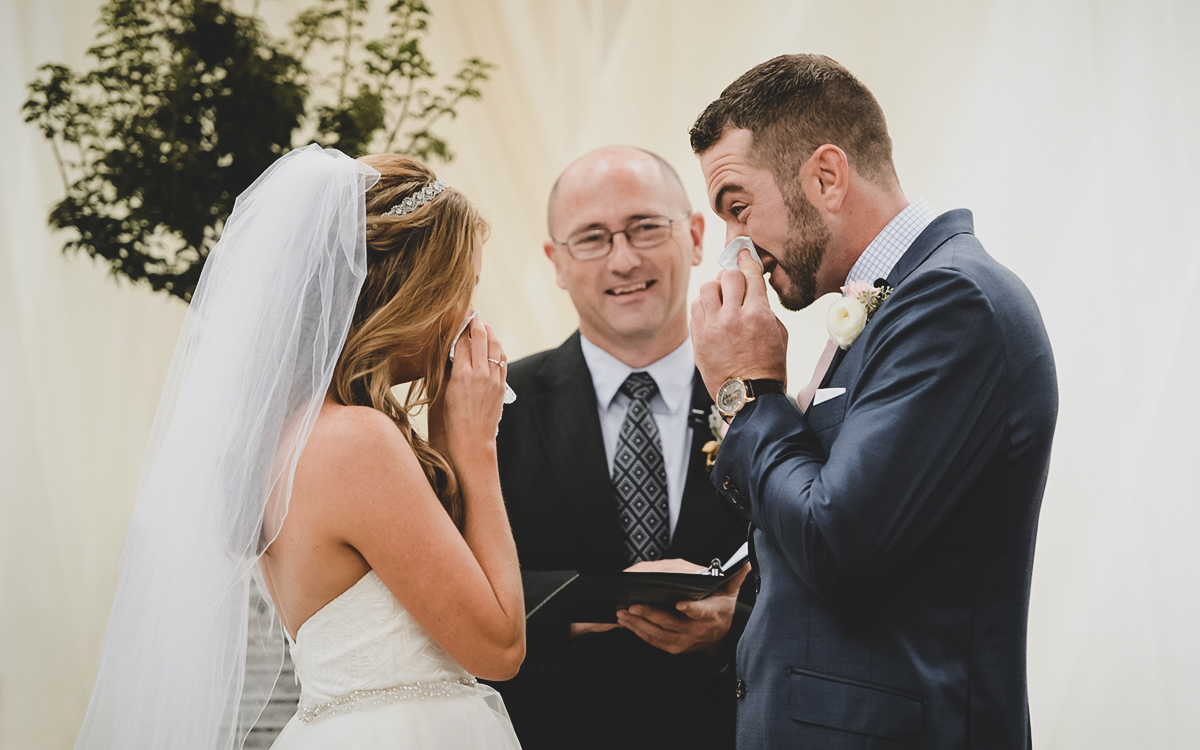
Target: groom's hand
[734,331]
[693,625]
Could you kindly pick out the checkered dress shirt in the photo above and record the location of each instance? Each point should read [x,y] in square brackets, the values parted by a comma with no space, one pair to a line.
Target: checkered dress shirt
[877,261]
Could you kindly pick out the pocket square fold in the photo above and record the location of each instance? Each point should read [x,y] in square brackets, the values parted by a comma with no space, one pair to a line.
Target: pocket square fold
[825,394]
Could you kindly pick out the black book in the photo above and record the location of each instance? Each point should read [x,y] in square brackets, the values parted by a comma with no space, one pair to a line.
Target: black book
[582,596]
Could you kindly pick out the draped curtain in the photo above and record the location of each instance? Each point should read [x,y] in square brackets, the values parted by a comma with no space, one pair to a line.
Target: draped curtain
[1069,128]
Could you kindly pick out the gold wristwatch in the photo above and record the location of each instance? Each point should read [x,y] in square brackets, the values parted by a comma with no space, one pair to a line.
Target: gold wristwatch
[735,393]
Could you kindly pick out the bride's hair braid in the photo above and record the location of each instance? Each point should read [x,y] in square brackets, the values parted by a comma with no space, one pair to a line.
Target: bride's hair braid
[421,270]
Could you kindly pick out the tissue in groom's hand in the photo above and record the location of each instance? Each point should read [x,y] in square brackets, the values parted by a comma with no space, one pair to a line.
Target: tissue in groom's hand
[728,257]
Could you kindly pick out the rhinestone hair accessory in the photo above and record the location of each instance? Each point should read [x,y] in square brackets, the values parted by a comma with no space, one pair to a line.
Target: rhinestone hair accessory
[417,199]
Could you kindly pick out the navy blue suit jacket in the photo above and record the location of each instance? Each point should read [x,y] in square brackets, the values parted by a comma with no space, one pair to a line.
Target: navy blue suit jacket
[894,525]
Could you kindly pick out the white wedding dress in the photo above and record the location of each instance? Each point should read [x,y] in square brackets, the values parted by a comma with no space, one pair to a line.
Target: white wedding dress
[372,678]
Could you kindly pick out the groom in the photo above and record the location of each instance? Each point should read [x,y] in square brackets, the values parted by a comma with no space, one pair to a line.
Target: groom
[893,523]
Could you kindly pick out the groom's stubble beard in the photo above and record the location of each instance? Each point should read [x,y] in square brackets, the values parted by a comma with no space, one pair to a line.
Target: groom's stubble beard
[804,249]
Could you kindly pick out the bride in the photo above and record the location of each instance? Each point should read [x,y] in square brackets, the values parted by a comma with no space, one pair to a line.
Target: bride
[280,458]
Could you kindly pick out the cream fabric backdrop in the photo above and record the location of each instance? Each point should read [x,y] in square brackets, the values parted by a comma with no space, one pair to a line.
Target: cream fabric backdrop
[1069,127]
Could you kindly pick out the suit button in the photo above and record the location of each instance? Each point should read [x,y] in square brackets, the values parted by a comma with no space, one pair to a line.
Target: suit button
[731,491]
[757,584]
[740,690]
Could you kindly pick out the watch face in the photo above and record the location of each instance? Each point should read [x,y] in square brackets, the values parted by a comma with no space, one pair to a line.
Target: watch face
[731,397]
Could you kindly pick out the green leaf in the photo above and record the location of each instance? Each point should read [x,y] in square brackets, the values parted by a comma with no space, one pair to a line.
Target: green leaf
[188,101]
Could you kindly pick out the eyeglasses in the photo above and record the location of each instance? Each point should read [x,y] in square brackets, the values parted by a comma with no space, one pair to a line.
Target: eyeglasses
[596,242]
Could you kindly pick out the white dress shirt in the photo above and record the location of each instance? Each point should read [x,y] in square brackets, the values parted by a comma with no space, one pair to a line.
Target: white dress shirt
[670,407]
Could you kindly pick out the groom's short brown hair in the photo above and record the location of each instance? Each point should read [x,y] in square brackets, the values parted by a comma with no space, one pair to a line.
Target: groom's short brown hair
[793,104]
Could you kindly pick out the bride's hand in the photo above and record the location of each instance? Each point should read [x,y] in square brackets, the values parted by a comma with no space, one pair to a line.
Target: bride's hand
[475,391]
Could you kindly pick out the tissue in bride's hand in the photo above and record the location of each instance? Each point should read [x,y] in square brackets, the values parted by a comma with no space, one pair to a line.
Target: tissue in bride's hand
[461,330]
[509,394]
[728,257]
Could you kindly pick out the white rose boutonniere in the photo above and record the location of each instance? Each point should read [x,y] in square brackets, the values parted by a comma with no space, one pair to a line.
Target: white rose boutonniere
[849,315]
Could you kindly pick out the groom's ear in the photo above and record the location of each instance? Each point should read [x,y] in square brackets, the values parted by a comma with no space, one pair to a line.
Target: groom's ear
[826,178]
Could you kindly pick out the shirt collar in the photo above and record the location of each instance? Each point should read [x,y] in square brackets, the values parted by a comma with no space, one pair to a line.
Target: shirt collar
[673,374]
[881,256]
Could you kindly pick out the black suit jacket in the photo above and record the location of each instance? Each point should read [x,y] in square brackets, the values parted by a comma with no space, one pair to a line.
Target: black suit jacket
[895,521]
[607,689]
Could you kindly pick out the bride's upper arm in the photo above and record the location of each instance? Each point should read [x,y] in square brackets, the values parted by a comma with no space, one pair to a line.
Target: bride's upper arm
[387,510]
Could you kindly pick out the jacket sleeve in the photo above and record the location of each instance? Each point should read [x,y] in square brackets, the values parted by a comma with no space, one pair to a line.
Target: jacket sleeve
[923,413]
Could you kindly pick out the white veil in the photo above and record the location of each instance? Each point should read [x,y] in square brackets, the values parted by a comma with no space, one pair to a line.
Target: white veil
[254,360]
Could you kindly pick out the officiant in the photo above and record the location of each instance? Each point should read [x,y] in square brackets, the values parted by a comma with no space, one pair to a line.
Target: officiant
[602,468]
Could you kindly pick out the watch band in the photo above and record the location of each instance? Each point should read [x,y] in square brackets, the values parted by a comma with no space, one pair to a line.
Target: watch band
[761,387]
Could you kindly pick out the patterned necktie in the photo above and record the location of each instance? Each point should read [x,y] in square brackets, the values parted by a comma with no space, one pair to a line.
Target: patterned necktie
[640,476]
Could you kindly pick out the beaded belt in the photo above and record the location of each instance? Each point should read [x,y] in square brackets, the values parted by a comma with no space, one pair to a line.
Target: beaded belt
[306,712]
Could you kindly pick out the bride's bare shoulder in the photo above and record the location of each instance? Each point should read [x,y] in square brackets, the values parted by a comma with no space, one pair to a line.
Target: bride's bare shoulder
[355,435]
[358,475]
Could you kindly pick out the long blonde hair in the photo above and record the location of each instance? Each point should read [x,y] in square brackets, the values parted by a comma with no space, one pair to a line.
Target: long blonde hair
[421,270]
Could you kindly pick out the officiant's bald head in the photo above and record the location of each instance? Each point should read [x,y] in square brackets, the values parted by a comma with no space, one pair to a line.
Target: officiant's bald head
[596,163]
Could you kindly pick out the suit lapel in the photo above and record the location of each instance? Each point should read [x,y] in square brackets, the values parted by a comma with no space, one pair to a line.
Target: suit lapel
[696,509]
[838,356]
[567,417]
[939,231]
